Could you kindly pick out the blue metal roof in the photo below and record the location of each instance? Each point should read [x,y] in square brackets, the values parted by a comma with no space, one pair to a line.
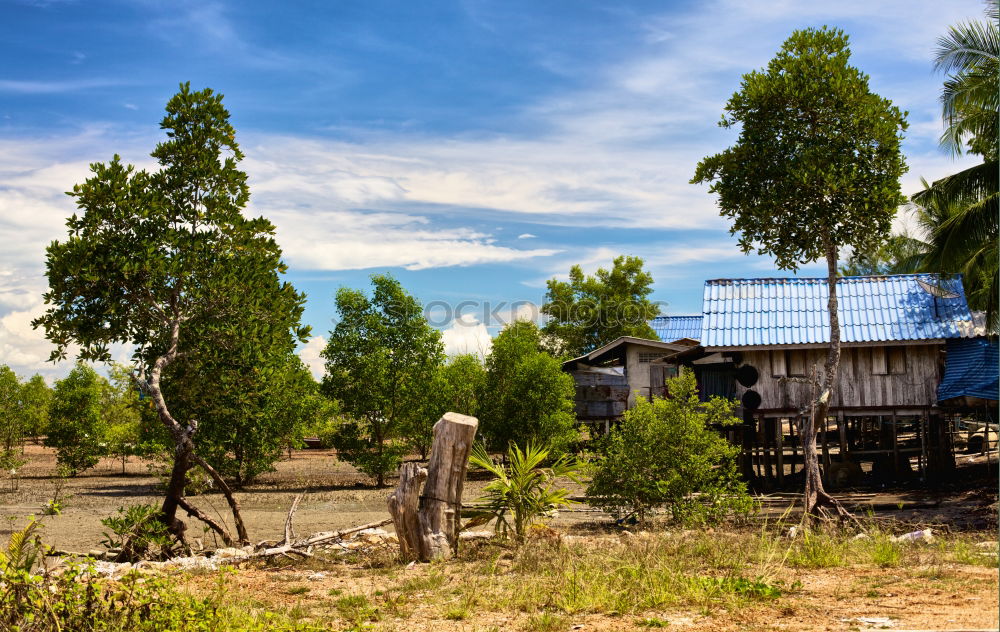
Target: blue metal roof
[671,328]
[793,311]
[970,369]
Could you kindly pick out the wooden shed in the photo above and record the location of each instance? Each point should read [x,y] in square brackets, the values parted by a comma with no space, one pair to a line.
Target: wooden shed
[610,378]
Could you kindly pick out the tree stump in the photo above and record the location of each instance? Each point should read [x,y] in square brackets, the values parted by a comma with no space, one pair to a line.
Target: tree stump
[428,523]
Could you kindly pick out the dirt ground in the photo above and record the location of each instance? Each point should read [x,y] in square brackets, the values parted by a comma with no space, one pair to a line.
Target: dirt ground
[338,496]
[957,598]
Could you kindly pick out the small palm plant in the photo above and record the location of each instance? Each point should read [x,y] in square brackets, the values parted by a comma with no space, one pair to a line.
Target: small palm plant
[524,492]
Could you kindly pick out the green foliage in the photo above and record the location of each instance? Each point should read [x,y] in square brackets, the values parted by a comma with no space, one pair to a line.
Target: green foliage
[251,407]
[899,254]
[24,550]
[455,387]
[817,163]
[524,491]
[816,550]
[526,398]
[122,417]
[36,397]
[12,420]
[963,239]
[79,599]
[138,533]
[380,360]
[355,442]
[666,452]
[77,422]
[589,311]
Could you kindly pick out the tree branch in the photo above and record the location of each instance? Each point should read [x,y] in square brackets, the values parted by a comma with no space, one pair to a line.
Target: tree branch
[200,515]
[234,505]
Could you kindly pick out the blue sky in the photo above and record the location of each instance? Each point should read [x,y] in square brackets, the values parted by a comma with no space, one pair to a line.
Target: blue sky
[473,149]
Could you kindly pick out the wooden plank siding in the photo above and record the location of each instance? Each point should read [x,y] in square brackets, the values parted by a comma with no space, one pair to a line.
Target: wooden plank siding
[859,385]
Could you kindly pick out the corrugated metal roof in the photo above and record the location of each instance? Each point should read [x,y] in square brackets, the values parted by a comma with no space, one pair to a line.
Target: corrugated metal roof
[970,369]
[760,312]
[671,328]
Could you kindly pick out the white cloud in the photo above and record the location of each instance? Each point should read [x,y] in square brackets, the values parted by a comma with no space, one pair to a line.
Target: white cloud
[310,355]
[526,236]
[467,335]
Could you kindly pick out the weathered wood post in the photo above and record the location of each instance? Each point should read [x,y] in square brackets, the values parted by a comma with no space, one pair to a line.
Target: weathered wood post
[428,523]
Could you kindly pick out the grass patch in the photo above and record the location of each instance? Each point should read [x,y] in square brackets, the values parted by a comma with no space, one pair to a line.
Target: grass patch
[817,550]
[545,622]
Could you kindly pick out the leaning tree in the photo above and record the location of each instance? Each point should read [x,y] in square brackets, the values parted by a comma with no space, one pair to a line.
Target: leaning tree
[166,262]
[816,168]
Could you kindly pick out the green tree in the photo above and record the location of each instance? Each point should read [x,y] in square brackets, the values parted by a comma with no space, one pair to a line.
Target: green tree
[526,398]
[380,360]
[37,398]
[12,418]
[251,404]
[77,419]
[963,239]
[455,387]
[666,453]
[589,311]
[166,261]
[122,417]
[816,168]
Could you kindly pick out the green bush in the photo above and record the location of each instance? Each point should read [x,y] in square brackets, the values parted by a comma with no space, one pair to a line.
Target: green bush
[138,533]
[665,453]
[355,444]
[525,491]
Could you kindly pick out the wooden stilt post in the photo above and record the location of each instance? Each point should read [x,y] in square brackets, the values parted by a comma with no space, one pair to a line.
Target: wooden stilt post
[825,446]
[431,532]
[793,435]
[779,436]
[842,434]
[895,446]
[923,447]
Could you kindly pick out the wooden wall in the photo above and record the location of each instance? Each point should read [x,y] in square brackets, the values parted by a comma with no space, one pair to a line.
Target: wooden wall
[859,385]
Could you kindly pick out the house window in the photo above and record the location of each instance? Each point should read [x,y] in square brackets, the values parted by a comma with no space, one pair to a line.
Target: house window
[778,364]
[897,360]
[879,364]
[796,363]
[645,357]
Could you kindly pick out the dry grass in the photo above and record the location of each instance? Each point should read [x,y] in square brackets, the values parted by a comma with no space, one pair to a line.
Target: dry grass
[714,580]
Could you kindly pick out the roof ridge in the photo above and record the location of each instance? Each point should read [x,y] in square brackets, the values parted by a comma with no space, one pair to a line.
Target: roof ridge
[839,278]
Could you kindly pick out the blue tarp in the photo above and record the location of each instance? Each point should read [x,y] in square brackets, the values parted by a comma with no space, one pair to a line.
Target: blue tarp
[970,369]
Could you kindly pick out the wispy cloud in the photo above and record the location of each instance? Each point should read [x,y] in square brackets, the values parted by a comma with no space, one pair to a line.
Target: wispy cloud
[15,86]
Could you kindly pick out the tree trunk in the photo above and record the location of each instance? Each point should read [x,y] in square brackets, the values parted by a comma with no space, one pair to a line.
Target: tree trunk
[175,490]
[427,524]
[816,502]
[404,508]
[183,449]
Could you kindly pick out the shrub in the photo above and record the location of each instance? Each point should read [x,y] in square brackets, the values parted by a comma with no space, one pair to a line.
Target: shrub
[354,443]
[525,491]
[666,453]
[138,533]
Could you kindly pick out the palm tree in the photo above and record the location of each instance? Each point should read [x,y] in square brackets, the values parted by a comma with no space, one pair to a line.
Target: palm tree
[961,210]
